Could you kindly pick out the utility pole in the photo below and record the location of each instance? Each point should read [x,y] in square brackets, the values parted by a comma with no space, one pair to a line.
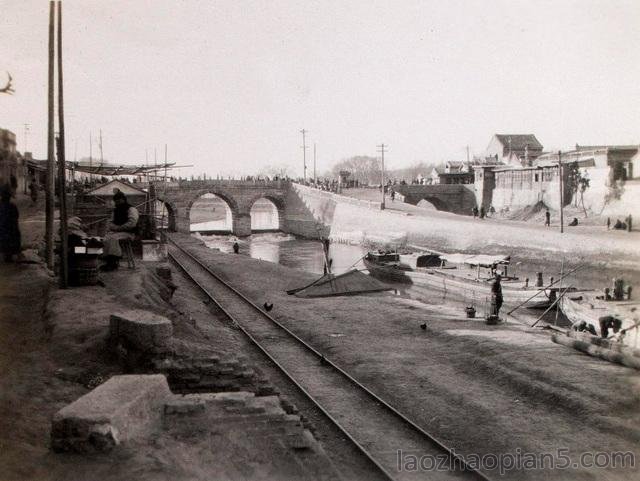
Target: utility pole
[561,191]
[304,154]
[382,149]
[25,170]
[62,166]
[50,185]
[100,145]
[468,160]
[90,157]
[314,163]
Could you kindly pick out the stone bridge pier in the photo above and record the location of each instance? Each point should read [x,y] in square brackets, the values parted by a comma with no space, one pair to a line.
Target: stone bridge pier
[240,196]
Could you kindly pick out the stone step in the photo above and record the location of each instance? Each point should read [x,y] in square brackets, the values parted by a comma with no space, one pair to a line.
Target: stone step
[123,408]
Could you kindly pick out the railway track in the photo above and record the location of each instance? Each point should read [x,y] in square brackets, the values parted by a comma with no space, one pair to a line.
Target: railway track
[376,428]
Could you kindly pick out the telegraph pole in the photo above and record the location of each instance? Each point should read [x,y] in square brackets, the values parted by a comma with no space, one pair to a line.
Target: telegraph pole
[382,149]
[62,165]
[304,154]
[25,169]
[561,191]
[50,185]
[314,163]
[90,157]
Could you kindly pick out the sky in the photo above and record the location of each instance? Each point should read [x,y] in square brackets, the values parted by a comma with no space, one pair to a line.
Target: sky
[228,85]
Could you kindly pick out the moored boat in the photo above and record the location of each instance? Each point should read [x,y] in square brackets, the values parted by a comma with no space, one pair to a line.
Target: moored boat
[464,276]
[592,307]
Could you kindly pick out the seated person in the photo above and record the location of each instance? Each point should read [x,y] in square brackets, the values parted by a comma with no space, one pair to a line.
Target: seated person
[123,226]
[574,222]
[609,322]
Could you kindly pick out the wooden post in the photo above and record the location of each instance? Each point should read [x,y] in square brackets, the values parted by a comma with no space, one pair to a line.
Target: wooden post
[62,165]
[50,185]
[561,192]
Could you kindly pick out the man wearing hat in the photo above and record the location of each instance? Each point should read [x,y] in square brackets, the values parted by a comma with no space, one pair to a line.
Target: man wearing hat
[124,225]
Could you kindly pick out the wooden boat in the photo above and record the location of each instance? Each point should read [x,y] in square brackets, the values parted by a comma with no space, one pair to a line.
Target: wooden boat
[589,307]
[462,275]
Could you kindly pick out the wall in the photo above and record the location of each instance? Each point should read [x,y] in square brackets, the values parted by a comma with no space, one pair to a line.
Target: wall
[309,212]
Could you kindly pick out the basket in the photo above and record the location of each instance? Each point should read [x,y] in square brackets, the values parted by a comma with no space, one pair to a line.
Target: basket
[83,276]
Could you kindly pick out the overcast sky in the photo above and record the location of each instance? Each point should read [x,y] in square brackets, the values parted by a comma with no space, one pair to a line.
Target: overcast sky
[229,84]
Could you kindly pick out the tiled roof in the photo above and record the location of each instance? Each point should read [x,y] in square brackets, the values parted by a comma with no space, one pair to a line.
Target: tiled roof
[519,141]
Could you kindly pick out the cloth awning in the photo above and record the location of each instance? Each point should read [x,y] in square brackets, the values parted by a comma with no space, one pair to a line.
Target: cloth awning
[481,260]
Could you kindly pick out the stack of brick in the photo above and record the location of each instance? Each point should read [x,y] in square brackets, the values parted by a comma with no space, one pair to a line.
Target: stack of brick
[212,373]
[244,412]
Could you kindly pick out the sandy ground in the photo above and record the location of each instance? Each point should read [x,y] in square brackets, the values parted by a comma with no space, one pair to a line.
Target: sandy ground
[53,350]
[480,389]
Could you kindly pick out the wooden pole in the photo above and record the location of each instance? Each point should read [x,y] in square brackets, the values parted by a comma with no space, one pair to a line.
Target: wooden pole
[560,296]
[50,186]
[561,192]
[62,165]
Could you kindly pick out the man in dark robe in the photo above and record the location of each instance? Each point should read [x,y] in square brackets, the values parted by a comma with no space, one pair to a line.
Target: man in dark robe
[123,226]
[10,240]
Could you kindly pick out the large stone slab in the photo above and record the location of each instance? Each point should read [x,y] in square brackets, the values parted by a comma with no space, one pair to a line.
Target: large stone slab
[123,408]
[141,330]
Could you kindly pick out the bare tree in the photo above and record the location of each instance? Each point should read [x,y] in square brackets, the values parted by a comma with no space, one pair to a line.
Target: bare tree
[7,89]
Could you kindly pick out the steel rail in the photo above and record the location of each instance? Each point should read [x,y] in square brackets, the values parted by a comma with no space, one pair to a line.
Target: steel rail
[439,444]
[289,376]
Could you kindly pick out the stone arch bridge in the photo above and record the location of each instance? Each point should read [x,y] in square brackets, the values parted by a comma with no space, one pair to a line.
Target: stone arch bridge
[301,210]
[178,197]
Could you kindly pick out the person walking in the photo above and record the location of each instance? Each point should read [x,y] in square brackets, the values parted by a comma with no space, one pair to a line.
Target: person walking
[608,223]
[547,218]
[475,211]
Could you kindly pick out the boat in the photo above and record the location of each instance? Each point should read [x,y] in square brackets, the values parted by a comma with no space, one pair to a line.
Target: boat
[589,307]
[463,275]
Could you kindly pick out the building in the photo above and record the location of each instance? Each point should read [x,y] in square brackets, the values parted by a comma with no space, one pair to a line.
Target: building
[10,160]
[519,150]
[524,180]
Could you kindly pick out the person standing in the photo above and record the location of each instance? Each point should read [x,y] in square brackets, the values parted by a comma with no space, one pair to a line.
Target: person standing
[10,239]
[33,192]
[496,295]
[547,218]
[482,212]
[608,223]
[475,211]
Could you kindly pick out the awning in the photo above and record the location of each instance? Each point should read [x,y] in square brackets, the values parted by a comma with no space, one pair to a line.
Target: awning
[477,260]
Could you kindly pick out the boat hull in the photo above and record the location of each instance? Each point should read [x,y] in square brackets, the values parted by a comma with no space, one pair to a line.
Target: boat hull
[443,281]
[590,310]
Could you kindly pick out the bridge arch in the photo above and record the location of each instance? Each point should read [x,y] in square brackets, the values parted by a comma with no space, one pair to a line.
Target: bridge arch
[277,201]
[221,194]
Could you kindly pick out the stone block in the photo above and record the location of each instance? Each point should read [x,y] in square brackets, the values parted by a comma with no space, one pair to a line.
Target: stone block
[123,408]
[141,330]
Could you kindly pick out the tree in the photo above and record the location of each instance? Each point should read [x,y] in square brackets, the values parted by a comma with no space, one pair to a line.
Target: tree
[364,169]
